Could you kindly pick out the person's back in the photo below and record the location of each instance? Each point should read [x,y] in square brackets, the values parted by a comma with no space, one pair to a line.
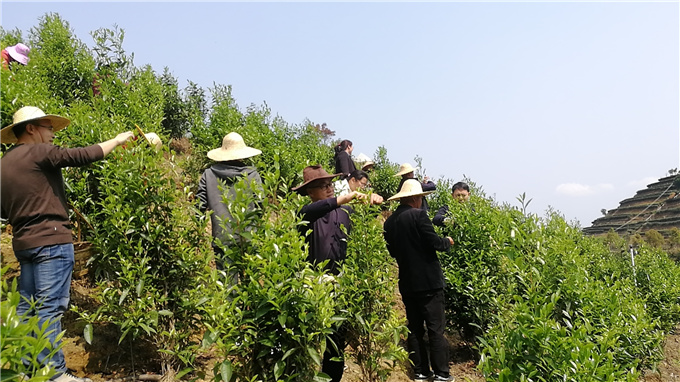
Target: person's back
[414,244]
[412,241]
[224,175]
[217,183]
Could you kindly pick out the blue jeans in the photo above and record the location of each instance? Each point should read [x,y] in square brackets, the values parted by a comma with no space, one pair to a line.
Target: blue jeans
[46,278]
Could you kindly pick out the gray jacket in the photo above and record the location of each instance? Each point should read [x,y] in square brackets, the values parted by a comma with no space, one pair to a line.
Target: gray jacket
[210,196]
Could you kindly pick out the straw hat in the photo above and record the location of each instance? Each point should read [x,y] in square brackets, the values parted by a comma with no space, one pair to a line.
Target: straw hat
[27,114]
[405,169]
[411,187]
[310,174]
[233,148]
[364,161]
[19,52]
[154,140]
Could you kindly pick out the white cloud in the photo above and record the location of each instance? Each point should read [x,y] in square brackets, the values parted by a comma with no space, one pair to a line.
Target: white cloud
[577,189]
[642,183]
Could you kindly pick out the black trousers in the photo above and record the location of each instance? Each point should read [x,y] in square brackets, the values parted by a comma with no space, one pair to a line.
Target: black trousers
[334,369]
[425,311]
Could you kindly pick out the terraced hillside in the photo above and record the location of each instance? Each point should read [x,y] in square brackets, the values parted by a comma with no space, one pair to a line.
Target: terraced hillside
[655,207]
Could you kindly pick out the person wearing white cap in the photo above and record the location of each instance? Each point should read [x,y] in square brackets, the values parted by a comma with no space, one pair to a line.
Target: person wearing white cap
[15,53]
[228,170]
[412,241]
[34,202]
[406,171]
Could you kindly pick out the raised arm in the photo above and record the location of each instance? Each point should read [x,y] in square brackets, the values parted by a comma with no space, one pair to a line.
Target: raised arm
[111,144]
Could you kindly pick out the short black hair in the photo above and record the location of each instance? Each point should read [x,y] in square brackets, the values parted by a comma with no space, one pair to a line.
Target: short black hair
[20,128]
[358,175]
[460,186]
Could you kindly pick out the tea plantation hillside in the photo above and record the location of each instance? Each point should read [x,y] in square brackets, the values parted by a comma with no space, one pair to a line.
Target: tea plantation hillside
[535,298]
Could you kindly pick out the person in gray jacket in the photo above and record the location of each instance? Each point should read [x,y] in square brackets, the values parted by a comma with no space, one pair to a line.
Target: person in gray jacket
[219,180]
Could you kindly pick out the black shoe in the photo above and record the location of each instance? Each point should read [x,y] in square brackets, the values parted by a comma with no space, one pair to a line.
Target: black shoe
[422,377]
[439,378]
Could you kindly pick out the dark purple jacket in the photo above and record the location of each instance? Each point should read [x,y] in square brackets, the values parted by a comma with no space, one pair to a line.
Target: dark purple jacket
[327,241]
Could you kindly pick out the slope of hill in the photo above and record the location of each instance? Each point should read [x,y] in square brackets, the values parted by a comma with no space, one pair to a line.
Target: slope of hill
[655,207]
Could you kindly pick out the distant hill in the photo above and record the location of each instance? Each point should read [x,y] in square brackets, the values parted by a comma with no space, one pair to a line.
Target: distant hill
[656,207]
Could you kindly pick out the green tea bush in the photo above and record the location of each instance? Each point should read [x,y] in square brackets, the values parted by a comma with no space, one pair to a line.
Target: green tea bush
[60,60]
[657,279]
[476,283]
[21,339]
[151,254]
[367,298]
[383,181]
[271,325]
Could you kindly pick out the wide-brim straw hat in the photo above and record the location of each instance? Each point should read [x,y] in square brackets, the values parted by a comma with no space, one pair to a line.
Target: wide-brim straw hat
[233,148]
[405,169]
[411,187]
[154,140]
[28,114]
[364,161]
[310,174]
[19,52]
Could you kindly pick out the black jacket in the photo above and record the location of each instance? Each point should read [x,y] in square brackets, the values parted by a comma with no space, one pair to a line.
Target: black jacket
[344,164]
[210,197]
[412,241]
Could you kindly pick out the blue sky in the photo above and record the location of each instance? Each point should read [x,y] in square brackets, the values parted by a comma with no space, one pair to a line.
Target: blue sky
[575,104]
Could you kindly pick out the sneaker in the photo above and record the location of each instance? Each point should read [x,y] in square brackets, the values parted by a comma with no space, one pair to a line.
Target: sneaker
[66,377]
[439,378]
[422,377]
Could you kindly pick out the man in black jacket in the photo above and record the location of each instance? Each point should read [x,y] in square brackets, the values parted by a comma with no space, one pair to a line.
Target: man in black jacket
[460,193]
[412,241]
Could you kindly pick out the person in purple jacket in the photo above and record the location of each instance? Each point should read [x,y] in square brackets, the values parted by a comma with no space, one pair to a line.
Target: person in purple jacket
[34,202]
[326,216]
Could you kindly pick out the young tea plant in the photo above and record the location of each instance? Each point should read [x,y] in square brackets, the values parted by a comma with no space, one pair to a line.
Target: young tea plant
[272,324]
[367,298]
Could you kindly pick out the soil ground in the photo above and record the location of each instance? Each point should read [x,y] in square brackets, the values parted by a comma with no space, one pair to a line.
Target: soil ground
[107,360]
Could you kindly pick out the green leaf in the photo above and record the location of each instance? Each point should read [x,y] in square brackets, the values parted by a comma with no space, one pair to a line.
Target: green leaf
[226,370]
[87,333]
[279,368]
[314,354]
[183,372]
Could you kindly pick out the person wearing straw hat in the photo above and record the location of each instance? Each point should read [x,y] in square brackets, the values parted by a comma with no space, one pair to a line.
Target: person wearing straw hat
[412,241]
[366,163]
[406,171]
[326,215]
[220,179]
[16,53]
[33,199]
